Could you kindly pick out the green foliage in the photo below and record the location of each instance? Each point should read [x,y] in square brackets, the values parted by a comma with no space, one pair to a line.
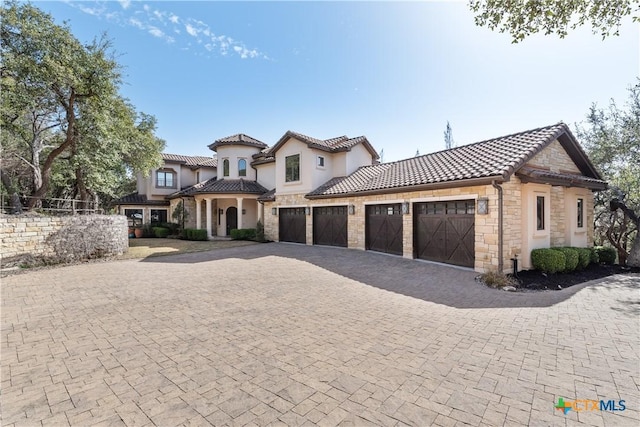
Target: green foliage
[161,232]
[195,234]
[584,257]
[180,214]
[496,279]
[147,230]
[548,260]
[260,232]
[571,259]
[243,234]
[606,254]
[594,258]
[527,17]
[66,130]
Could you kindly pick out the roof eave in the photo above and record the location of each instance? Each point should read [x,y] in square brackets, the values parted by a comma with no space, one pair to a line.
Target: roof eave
[411,188]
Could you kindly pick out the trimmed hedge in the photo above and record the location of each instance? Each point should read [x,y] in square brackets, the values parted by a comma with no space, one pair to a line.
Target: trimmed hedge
[548,260]
[594,257]
[161,232]
[571,259]
[243,234]
[606,254]
[195,234]
[584,257]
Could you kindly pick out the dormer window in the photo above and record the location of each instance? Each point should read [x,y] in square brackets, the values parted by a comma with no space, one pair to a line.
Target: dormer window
[242,167]
[165,179]
[292,168]
[225,167]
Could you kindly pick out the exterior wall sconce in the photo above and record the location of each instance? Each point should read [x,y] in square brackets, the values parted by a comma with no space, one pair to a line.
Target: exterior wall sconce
[220,211]
[244,211]
[307,210]
[405,208]
[274,211]
[483,205]
[352,210]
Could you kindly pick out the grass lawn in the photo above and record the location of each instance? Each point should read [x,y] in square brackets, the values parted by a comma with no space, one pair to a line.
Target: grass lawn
[143,248]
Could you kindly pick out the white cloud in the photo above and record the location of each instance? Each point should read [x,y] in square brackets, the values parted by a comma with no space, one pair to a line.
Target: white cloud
[159,23]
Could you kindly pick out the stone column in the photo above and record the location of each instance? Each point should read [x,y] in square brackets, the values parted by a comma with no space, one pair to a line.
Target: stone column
[198,213]
[239,199]
[208,218]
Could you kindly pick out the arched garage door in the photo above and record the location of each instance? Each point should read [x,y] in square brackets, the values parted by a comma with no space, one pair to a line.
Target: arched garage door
[383,228]
[330,226]
[293,225]
[445,232]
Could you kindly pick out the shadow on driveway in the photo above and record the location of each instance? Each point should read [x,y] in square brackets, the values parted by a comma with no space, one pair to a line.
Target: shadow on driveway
[450,286]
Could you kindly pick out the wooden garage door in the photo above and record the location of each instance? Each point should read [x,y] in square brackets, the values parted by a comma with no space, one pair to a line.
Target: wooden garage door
[293,225]
[330,226]
[444,231]
[383,228]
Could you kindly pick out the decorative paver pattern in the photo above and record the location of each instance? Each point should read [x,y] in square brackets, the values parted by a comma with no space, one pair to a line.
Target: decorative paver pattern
[283,334]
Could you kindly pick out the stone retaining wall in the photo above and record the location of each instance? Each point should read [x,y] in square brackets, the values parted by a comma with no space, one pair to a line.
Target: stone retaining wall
[63,238]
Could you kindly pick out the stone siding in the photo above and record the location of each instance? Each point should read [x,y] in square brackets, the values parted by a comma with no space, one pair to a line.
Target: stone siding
[558,217]
[555,159]
[65,238]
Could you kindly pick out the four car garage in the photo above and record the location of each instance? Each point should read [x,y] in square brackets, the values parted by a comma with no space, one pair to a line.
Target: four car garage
[442,231]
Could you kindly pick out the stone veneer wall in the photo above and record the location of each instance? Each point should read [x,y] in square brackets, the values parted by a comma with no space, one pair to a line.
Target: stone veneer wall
[65,238]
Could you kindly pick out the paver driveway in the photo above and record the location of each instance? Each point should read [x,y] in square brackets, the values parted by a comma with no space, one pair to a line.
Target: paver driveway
[290,335]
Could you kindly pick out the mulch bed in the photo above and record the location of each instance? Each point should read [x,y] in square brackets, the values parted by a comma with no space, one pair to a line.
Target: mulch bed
[536,280]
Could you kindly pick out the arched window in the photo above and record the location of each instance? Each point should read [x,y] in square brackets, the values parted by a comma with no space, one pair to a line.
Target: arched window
[242,167]
[225,167]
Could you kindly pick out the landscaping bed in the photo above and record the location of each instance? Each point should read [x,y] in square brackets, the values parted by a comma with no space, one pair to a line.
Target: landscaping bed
[537,280]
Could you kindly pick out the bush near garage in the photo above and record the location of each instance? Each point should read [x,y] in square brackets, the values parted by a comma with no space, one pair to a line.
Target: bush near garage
[243,234]
[584,257]
[594,257]
[548,260]
[606,255]
[571,259]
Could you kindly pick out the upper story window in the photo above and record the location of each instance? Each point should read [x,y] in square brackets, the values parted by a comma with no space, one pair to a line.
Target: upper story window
[242,167]
[225,167]
[580,209]
[320,161]
[165,179]
[539,212]
[292,168]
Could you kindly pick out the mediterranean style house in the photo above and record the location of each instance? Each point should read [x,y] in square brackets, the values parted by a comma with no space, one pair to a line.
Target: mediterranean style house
[479,205]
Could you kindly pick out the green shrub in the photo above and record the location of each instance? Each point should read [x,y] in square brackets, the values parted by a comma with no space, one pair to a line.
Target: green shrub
[584,257]
[571,259]
[594,257]
[260,232]
[147,230]
[606,254]
[161,232]
[548,260]
[195,234]
[243,234]
[173,228]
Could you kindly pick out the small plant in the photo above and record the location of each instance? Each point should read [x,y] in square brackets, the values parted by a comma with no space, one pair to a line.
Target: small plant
[161,232]
[180,215]
[584,257]
[606,255]
[548,260]
[495,279]
[571,259]
[243,234]
[195,234]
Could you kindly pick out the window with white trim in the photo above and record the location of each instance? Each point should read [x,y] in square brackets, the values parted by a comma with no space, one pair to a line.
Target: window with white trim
[242,167]
[292,168]
[540,213]
[580,213]
[320,162]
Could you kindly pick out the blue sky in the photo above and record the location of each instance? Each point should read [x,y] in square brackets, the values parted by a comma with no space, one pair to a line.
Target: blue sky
[395,72]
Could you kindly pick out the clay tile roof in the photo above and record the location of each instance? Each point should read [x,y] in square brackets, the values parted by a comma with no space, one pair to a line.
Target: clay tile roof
[269,196]
[139,199]
[237,139]
[561,178]
[495,158]
[265,156]
[215,186]
[191,161]
[332,145]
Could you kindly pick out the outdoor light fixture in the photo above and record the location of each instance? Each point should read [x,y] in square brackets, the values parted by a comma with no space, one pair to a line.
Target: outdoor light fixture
[483,205]
[274,211]
[352,210]
[220,211]
[307,210]
[244,211]
[405,208]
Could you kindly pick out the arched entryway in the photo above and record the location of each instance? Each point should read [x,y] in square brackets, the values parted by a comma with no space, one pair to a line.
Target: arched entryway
[232,219]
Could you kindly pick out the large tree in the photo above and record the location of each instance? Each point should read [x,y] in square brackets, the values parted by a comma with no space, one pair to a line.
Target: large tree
[612,140]
[521,18]
[63,119]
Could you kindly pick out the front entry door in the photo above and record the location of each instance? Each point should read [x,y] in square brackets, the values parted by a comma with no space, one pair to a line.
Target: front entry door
[232,219]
